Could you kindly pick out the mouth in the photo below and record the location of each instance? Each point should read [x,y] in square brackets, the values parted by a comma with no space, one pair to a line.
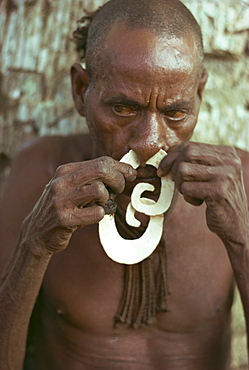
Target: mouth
[146,174]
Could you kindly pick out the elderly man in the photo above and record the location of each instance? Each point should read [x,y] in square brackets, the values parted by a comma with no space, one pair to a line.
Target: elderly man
[140,93]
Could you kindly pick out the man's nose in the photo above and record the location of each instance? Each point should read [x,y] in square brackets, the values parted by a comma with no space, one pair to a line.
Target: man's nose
[149,137]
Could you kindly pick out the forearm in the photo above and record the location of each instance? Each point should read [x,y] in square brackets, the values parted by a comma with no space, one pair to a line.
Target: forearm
[20,285]
[239,257]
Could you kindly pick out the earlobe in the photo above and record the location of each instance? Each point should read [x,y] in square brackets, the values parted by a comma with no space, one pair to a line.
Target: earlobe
[202,84]
[80,82]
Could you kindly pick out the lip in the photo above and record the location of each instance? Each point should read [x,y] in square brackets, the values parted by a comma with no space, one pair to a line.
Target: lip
[147,172]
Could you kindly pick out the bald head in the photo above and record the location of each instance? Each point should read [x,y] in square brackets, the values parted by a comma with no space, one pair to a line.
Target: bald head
[167,19]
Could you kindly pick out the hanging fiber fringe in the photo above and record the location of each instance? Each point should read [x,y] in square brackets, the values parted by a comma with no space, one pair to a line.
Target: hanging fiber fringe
[145,291]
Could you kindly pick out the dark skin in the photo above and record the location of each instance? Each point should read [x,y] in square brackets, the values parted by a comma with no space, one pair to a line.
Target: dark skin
[145,97]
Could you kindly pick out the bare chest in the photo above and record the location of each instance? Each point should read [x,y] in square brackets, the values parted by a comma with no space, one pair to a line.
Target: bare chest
[84,287]
[82,290]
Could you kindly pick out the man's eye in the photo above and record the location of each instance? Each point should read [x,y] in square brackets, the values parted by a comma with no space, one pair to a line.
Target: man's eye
[175,115]
[122,110]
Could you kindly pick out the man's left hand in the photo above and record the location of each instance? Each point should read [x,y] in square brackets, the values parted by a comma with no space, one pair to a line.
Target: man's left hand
[213,174]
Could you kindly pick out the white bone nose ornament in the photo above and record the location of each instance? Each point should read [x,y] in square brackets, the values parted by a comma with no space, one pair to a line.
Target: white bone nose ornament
[133,251]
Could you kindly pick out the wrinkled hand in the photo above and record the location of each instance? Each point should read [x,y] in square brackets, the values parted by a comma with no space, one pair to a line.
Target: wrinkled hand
[212,174]
[74,198]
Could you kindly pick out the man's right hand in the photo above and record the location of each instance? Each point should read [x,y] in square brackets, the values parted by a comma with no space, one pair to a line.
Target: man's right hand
[73,198]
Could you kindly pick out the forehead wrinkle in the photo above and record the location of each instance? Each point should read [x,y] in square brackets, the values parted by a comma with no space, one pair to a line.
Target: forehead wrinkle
[147,80]
[146,74]
[120,84]
[151,66]
[143,48]
[139,78]
[146,93]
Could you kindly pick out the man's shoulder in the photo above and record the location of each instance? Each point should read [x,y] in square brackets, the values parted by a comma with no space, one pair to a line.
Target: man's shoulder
[49,152]
[36,161]
[60,149]
[33,167]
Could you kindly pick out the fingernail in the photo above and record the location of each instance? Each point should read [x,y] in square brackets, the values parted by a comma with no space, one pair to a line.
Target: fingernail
[132,178]
[133,175]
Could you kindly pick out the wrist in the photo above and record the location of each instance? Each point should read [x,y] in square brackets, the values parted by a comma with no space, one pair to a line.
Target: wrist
[33,247]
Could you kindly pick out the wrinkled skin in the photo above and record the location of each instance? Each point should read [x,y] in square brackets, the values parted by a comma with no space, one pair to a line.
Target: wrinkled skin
[212,174]
[72,199]
[146,96]
[147,127]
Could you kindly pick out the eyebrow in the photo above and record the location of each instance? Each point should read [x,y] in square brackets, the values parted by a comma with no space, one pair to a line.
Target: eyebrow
[184,104]
[125,101]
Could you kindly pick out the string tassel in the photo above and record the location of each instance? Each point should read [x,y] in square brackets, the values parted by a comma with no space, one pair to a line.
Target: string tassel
[146,287]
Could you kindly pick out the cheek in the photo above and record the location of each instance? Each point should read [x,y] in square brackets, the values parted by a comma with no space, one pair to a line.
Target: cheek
[185,132]
[97,122]
[109,138]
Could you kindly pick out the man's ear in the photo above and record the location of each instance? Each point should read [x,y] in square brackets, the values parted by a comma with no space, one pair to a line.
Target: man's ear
[80,82]
[202,83]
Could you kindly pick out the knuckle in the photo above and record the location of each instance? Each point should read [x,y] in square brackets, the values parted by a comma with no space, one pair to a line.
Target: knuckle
[237,162]
[93,215]
[97,214]
[118,183]
[62,219]
[184,188]
[231,150]
[106,160]
[61,170]
[126,169]
[99,189]
[57,205]
[232,157]
[183,168]
[74,178]
[229,175]
[121,183]
[192,151]
[226,175]
[210,170]
[185,145]
[222,193]
[104,165]
[55,186]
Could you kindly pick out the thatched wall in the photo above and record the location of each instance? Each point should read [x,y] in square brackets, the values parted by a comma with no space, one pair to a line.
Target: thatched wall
[36,48]
[36,53]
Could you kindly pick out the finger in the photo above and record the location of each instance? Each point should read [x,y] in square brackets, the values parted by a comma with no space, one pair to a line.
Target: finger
[207,154]
[100,165]
[185,152]
[90,193]
[201,191]
[198,153]
[88,216]
[113,173]
[167,162]
[127,170]
[193,201]
[68,168]
[104,169]
[185,171]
